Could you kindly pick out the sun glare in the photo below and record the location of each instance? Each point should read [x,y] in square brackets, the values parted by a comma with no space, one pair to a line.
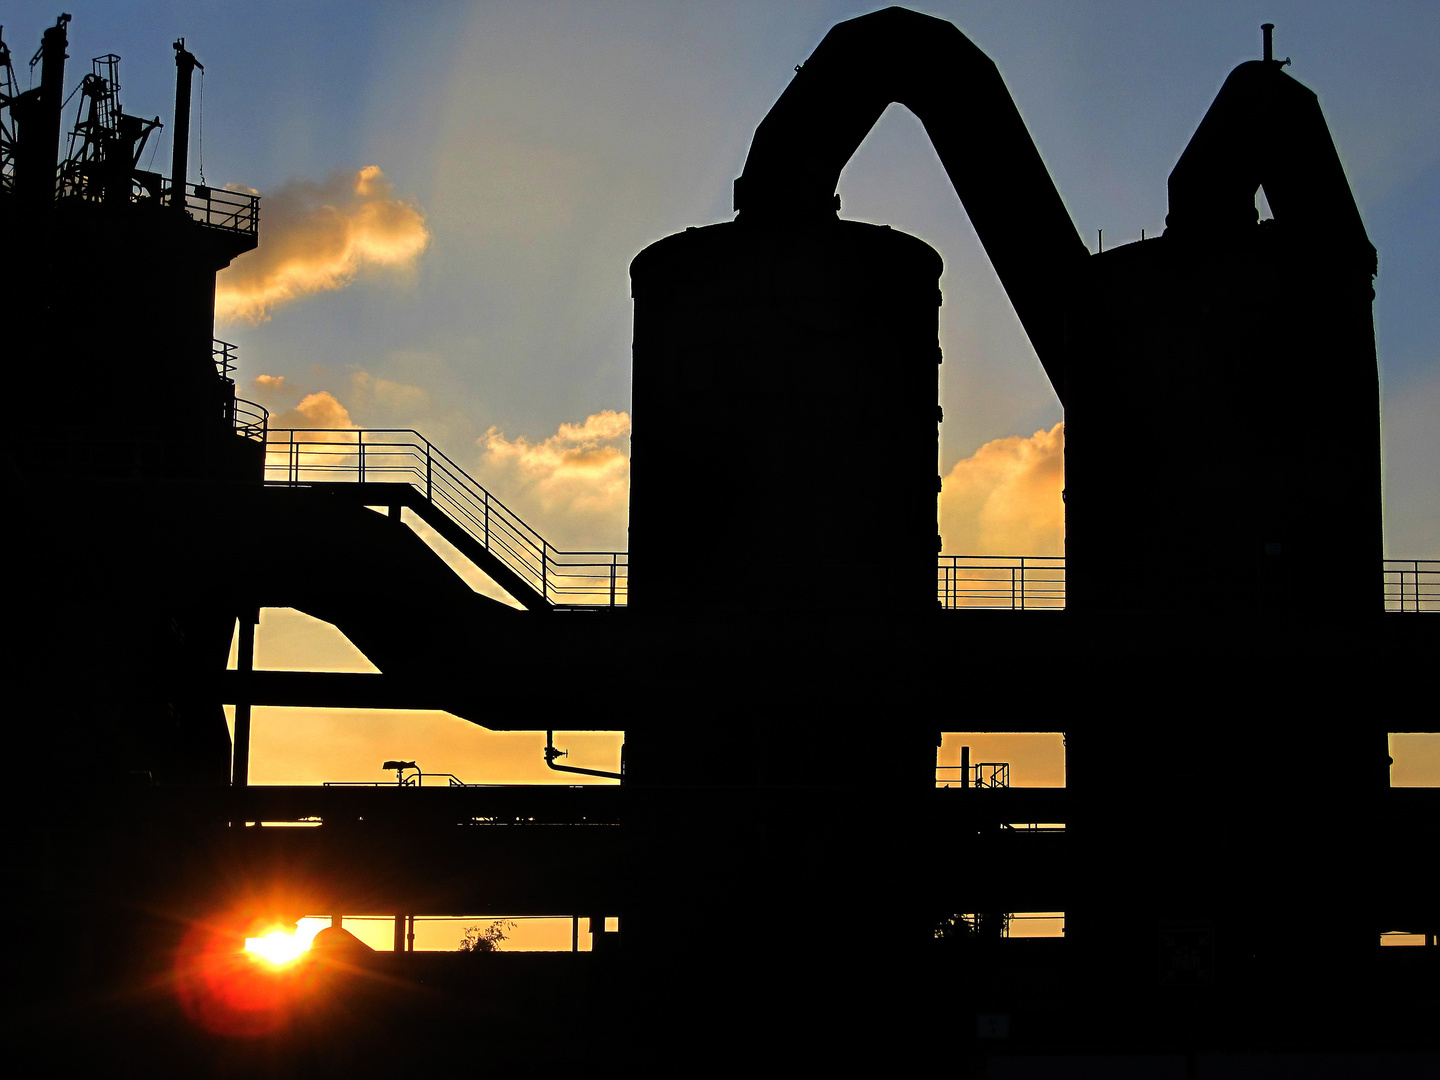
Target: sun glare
[278,947]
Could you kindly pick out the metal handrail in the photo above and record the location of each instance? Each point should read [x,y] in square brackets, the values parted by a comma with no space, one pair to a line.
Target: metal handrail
[1037,582]
[1412,584]
[579,580]
[997,776]
[415,781]
[564,579]
[219,208]
[250,421]
[996,582]
[224,354]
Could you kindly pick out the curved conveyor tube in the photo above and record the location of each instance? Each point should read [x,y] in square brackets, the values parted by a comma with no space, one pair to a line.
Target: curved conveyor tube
[929,66]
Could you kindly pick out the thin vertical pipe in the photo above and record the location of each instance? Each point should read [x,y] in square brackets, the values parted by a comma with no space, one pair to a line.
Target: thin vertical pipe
[244,664]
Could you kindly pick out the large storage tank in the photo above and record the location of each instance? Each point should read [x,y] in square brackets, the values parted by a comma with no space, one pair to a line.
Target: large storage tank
[785,419]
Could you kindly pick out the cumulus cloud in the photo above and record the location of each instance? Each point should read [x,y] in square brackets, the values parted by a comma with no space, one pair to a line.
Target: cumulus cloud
[318,410]
[1005,498]
[319,237]
[273,382]
[577,480]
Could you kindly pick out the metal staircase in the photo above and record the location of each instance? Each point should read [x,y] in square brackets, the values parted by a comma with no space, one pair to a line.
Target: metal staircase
[398,467]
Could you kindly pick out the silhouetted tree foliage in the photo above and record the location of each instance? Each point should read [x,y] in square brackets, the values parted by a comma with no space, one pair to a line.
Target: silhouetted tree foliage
[952,927]
[958,927]
[487,940]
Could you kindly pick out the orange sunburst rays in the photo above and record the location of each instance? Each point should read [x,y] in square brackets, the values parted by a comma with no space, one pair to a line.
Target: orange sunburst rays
[277,947]
[244,986]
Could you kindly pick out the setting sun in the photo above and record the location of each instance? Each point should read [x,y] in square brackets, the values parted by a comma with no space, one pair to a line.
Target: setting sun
[277,947]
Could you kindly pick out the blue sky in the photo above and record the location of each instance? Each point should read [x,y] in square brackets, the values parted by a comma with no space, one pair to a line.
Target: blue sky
[547,143]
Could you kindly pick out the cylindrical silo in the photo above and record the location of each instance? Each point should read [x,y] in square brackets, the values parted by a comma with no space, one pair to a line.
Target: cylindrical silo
[785,419]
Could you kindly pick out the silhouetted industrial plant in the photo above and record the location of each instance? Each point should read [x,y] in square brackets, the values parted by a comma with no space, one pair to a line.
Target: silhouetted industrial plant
[1227,850]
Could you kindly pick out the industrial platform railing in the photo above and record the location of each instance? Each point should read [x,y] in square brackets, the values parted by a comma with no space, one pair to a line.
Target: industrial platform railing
[600,579]
[1037,583]
[1412,584]
[220,208]
[985,582]
[982,774]
[564,579]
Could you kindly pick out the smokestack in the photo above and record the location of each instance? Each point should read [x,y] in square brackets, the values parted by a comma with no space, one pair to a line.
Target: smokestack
[40,130]
[1265,30]
[185,65]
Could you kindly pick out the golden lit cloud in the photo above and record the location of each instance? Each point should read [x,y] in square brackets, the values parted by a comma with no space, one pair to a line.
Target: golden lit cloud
[273,382]
[322,455]
[318,410]
[319,237]
[578,471]
[1005,498]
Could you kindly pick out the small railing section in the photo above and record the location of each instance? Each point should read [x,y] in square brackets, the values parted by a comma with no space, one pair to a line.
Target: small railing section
[224,355]
[566,579]
[413,780]
[250,421]
[221,208]
[991,583]
[1412,585]
[983,774]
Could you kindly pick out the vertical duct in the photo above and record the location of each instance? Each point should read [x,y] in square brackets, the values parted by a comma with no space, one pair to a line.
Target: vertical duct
[35,164]
[185,65]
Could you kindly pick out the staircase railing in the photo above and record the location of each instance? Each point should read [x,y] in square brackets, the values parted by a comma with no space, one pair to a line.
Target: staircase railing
[567,579]
[223,353]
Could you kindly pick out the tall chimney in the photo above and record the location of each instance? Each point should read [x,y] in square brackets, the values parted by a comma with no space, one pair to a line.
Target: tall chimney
[1265,29]
[40,130]
[185,65]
